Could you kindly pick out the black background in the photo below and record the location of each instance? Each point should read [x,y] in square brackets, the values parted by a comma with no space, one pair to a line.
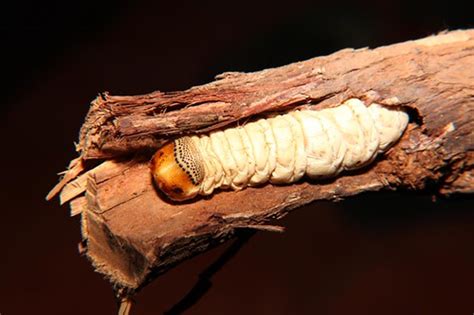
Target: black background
[387,253]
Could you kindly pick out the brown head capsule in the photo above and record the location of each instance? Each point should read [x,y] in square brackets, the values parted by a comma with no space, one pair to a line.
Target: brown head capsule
[177,170]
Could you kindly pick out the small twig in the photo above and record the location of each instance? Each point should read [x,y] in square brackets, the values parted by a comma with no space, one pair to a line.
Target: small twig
[125,305]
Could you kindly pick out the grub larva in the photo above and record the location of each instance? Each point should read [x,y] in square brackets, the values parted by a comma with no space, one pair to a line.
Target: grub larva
[279,150]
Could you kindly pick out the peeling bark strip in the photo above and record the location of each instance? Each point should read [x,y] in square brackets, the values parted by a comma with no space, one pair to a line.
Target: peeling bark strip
[131,234]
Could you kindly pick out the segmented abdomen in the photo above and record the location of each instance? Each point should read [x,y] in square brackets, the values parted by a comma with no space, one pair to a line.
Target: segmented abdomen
[286,147]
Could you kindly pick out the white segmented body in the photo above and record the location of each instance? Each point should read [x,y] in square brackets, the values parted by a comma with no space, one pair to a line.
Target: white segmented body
[284,148]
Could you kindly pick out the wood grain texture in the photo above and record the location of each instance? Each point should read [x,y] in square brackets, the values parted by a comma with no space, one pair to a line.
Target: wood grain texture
[132,234]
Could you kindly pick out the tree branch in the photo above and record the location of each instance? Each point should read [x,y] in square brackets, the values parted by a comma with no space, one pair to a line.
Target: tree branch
[132,234]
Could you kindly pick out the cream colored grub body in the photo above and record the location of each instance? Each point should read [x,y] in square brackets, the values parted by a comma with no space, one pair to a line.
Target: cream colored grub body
[284,148]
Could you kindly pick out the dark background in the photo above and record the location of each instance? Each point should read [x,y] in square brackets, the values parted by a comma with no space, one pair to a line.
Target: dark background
[385,253]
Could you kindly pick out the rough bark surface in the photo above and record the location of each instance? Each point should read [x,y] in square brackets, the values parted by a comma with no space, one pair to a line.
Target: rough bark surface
[131,233]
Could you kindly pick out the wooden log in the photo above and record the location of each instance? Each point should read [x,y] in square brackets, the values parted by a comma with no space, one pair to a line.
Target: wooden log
[131,233]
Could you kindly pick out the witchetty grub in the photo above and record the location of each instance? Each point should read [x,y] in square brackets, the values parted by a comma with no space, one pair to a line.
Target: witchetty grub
[280,150]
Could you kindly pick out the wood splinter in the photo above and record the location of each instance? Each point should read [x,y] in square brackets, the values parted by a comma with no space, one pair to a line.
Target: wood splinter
[133,233]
